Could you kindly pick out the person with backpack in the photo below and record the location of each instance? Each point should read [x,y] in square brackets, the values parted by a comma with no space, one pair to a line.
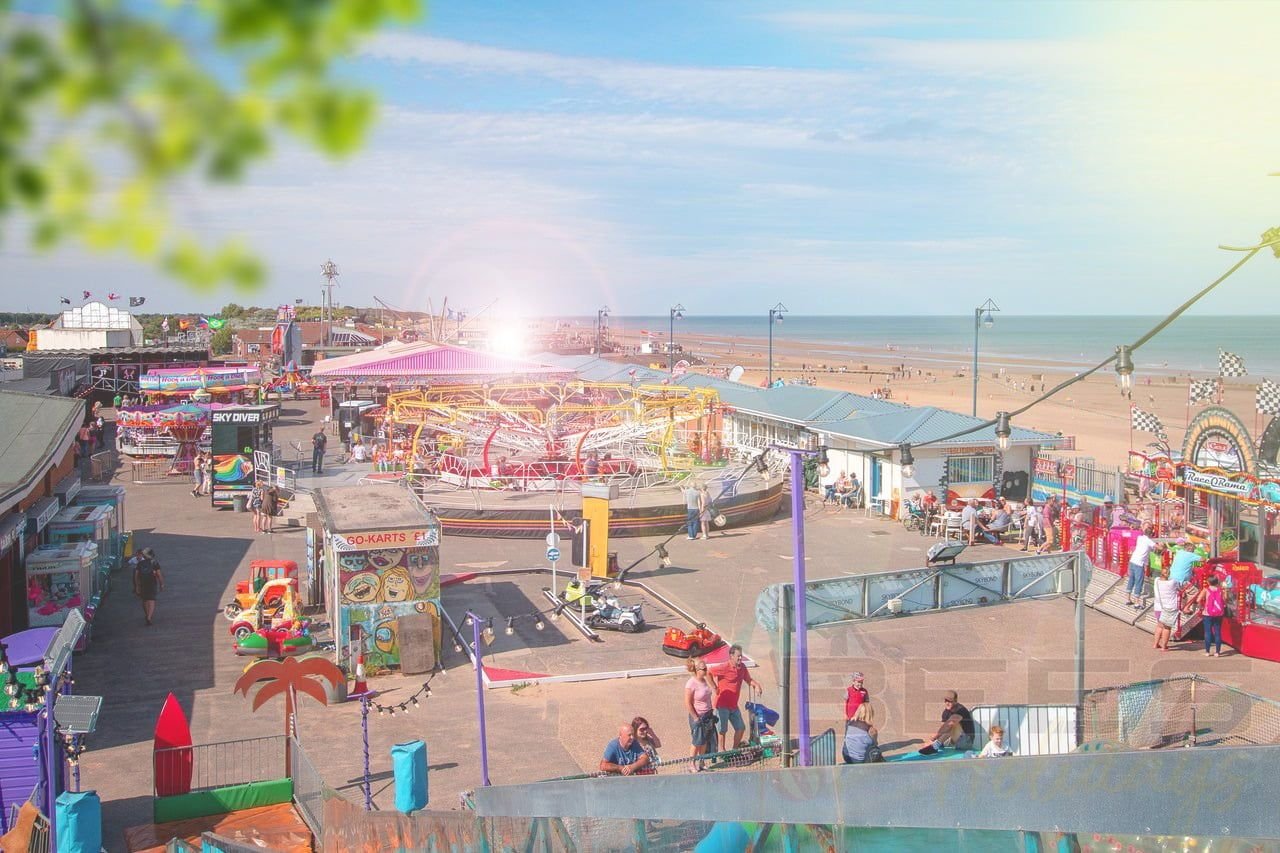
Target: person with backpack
[1215,607]
[148,582]
[860,738]
[318,443]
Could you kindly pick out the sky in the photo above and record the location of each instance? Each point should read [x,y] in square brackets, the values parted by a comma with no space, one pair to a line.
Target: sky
[551,158]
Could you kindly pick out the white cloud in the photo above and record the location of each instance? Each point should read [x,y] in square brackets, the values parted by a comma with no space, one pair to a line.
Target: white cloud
[828,22]
[729,86]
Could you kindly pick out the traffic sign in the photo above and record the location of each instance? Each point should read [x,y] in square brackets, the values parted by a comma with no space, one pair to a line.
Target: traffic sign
[553,554]
[553,540]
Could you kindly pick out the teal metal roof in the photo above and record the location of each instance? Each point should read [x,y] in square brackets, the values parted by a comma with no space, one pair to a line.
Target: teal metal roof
[924,425]
[35,426]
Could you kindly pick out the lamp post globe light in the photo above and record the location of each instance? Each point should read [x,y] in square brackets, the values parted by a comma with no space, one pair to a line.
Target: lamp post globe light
[983,315]
[775,316]
[677,313]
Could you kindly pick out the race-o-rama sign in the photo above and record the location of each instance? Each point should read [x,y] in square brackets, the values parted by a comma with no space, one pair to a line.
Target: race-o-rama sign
[1216,439]
[372,540]
[1245,488]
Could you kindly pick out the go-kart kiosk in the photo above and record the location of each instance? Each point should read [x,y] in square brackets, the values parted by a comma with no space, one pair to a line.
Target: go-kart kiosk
[380,562]
[238,433]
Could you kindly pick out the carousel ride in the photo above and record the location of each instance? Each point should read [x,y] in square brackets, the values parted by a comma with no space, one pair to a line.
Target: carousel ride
[179,432]
[494,459]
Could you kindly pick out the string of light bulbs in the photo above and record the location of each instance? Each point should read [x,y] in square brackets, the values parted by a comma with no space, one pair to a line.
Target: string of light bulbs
[404,707]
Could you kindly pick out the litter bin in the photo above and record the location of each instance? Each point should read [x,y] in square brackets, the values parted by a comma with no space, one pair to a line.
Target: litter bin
[240,503]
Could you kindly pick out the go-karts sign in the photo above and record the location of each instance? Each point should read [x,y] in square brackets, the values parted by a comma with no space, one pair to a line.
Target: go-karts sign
[373,540]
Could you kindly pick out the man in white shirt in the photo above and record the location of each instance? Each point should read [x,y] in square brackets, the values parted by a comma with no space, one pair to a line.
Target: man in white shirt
[969,519]
[1135,582]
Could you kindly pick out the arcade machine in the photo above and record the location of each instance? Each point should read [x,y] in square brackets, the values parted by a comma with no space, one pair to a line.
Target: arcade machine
[239,432]
[114,497]
[60,579]
[94,524]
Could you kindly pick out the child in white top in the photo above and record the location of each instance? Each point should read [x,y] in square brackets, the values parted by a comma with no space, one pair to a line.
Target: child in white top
[995,747]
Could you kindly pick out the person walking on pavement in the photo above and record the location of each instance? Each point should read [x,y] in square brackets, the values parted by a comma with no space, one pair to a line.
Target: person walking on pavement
[147,582]
[318,443]
[693,508]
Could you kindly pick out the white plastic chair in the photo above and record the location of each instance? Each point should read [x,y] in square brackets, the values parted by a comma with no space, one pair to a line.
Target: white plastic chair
[953,527]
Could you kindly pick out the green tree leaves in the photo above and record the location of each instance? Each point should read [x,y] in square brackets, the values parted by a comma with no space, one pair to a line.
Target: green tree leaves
[103,109]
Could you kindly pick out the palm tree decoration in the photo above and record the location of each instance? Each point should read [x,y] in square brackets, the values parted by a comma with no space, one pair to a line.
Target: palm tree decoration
[289,677]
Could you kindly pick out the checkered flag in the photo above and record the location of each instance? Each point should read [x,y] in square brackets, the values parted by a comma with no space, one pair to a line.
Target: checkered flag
[1268,398]
[1201,390]
[1230,364]
[1147,422]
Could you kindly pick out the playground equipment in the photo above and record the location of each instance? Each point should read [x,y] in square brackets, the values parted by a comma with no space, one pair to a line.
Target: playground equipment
[536,436]
[612,616]
[690,644]
[260,573]
[275,604]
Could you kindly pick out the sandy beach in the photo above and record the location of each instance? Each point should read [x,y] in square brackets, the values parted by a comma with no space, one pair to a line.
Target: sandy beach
[1093,411]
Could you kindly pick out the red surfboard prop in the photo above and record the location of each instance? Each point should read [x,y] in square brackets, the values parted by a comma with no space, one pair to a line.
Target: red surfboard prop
[173,766]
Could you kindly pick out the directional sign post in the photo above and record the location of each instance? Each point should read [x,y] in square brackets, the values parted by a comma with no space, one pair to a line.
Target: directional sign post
[553,554]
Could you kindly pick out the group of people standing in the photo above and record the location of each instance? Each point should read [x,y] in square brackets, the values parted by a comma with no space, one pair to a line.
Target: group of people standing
[202,474]
[698,511]
[1171,586]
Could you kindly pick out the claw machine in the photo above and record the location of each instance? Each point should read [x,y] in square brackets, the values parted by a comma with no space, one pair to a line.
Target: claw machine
[112,496]
[60,579]
[87,524]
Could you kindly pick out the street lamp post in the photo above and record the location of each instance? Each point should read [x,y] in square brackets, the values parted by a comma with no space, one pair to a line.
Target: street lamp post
[982,316]
[476,634]
[601,316]
[677,313]
[799,581]
[775,315]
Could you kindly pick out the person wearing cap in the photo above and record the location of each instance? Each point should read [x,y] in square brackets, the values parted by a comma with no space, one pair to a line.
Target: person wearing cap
[956,729]
[854,696]
[147,581]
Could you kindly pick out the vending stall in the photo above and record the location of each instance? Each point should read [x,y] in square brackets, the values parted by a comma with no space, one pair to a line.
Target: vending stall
[60,579]
[238,433]
[87,524]
[380,561]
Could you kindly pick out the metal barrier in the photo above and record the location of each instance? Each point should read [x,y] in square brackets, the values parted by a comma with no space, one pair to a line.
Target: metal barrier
[309,790]
[156,471]
[232,762]
[1029,729]
[1184,710]
[824,748]
[102,466]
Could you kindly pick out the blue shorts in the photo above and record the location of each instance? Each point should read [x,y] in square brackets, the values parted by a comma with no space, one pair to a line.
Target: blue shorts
[727,716]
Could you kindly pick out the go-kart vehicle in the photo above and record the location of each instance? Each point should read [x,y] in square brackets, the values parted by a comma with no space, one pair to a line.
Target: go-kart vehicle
[582,594]
[612,616]
[275,604]
[691,644]
[260,571]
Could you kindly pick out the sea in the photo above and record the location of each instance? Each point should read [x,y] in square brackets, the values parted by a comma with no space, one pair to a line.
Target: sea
[1189,344]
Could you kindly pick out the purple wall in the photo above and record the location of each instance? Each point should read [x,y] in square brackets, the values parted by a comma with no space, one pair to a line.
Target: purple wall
[19,770]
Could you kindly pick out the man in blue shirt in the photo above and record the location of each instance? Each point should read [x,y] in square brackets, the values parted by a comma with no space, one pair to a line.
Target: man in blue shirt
[1185,559]
[624,754]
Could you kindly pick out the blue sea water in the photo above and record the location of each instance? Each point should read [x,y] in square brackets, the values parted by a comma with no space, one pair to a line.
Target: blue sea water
[1190,343]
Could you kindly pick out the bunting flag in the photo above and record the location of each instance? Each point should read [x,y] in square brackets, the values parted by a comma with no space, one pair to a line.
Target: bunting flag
[1147,422]
[1230,364]
[213,323]
[135,301]
[64,300]
[1202,389]
[85,294]
[451,314]
[183,325]
[1268,398]
[113,296]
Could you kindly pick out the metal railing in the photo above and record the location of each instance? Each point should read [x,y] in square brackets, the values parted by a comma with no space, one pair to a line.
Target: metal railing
[1184,710]
[1029,729]
[157,471]
[219,765]
[309,790]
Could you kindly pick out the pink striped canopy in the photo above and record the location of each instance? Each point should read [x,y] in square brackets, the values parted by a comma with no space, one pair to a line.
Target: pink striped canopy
[422,361]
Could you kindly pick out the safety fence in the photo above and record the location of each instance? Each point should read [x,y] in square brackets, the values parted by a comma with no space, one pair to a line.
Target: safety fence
[1029,729]
[102,465]
[158,471]
[220,765]
[1184,710]
[309,790]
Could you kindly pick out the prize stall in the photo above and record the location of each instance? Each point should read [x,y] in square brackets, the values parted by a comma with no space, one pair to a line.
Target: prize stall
[111,496]
[239,432]
[87,524]
[60,579]
[380,561]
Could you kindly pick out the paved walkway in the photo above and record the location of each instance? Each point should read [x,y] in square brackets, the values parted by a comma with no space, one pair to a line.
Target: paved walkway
[1014,653]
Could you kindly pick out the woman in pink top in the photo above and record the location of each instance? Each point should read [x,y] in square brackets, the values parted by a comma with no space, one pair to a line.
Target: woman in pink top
[698,692]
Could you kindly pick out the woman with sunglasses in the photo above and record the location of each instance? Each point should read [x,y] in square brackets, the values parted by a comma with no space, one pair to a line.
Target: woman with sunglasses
[647,738]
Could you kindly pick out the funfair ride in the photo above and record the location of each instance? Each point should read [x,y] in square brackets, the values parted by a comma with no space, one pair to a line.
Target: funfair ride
[500,460]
